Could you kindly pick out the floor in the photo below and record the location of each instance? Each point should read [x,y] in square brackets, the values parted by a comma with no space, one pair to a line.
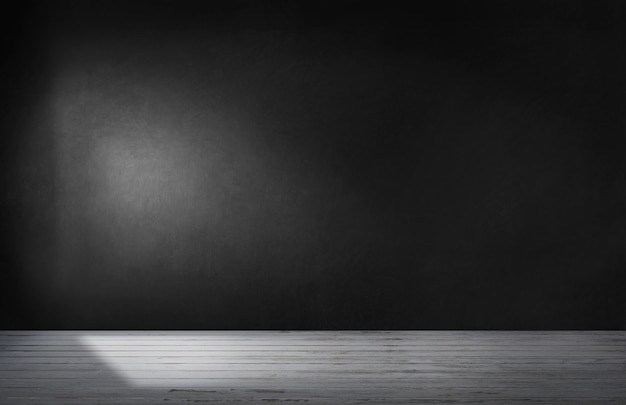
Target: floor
[311,367]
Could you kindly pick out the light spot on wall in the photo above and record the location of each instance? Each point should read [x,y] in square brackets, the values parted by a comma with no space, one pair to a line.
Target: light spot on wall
[136,175]
[136,180]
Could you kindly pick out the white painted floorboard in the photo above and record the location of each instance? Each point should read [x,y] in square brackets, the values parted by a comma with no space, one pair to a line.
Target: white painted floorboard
[312,367]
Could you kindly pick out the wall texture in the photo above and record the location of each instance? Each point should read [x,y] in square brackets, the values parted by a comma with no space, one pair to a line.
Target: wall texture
[316,165]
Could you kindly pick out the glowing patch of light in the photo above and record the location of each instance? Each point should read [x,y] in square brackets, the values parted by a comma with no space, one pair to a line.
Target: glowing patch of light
[152,361]
[146,178]
[130,179]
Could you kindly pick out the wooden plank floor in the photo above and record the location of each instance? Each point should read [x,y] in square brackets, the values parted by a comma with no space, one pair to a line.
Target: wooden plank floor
[377,367]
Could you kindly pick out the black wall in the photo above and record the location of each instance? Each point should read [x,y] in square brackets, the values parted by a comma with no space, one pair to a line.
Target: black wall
[313,164]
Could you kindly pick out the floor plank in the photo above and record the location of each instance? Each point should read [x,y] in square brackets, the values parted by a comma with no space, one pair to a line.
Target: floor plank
[313,367]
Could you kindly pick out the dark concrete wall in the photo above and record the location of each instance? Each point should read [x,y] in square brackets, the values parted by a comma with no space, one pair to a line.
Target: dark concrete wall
[313,165]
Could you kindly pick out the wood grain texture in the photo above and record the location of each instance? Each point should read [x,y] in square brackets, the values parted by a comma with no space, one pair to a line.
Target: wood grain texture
[312,367]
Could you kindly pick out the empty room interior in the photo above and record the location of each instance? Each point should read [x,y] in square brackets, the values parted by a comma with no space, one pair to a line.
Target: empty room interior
[313,201]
